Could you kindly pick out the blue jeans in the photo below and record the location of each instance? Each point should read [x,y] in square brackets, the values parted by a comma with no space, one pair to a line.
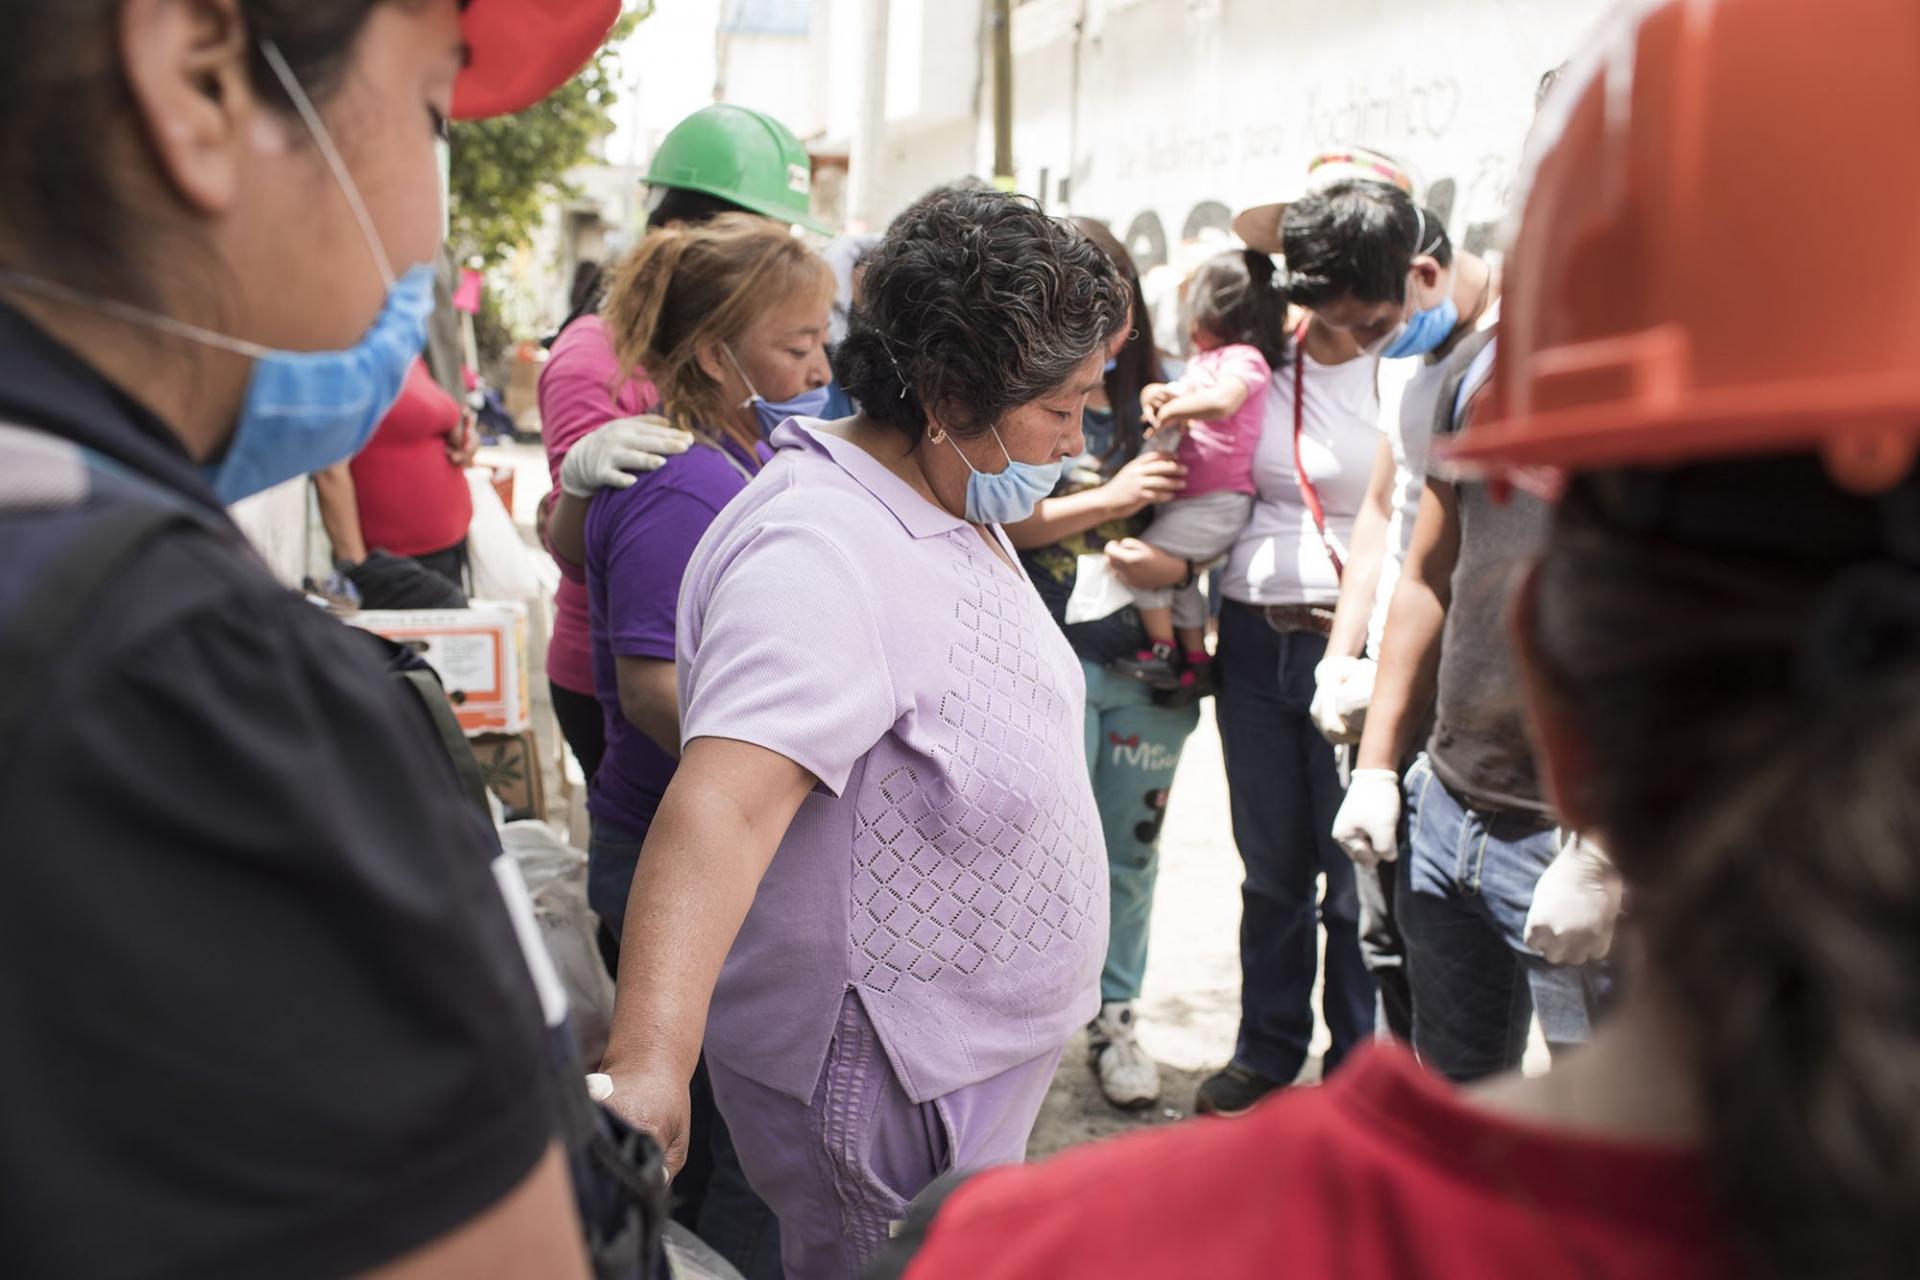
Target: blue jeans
[1465,884]
[1133,748]
[1284,790]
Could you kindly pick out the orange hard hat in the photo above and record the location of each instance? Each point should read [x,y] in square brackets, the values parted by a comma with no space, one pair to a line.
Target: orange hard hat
[1718,252]
[519,51]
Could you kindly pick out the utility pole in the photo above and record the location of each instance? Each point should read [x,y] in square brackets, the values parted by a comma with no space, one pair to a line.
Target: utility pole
[1002,30]
[870,127]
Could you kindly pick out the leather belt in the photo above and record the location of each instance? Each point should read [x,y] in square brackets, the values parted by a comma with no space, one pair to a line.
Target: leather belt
[1289,618]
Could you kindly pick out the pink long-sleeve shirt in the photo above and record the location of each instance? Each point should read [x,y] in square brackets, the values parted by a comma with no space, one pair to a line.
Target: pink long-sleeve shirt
[577,394]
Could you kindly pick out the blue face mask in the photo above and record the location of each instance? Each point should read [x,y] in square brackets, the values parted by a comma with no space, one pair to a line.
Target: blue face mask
[808,404]
[1007,497]
[1423,331]
[307,410]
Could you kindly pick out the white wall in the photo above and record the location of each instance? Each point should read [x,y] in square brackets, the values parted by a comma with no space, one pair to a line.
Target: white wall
[1189,104]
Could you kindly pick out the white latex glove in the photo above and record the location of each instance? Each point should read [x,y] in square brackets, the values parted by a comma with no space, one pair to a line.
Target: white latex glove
[1368,823]
[1575,905]
[1342,691]
[606,457]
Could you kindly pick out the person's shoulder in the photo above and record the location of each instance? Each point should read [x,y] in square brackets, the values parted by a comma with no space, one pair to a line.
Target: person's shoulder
[701,477]
[1240,353]
[587,335]
[806,489]
[1151,1203]
[582,355]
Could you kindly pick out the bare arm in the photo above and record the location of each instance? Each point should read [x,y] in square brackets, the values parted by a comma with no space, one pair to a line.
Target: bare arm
[340,513]
[1220,398]
[1152,477]
[567,529]
[650,700]
[718,827]
[1142,566]
[1365,552]
[1410,653]
[533,1231]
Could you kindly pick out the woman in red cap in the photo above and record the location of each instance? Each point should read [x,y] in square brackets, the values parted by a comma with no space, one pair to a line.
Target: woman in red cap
[268,1010]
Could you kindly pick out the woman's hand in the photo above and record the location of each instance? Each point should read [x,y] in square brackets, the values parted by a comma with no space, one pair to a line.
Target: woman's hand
[1143,567]
[654,1103]
[1152,396]
[1151,478]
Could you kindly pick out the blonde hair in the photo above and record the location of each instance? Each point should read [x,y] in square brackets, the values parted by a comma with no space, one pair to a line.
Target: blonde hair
[684,288]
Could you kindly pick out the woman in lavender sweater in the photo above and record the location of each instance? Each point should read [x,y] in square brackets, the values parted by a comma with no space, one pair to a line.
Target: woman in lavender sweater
[876,886]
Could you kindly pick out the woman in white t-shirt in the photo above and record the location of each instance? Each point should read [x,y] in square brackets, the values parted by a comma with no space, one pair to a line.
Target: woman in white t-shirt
[1280,586]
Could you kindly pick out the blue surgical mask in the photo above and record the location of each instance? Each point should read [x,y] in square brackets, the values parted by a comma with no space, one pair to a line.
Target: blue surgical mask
[808,404]
[1423,331]
[307,410]
[1007,497]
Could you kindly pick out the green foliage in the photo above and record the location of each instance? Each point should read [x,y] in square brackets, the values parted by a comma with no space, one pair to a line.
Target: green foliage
[508,169]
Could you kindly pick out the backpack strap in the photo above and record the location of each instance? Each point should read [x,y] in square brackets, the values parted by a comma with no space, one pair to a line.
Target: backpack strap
[427,688]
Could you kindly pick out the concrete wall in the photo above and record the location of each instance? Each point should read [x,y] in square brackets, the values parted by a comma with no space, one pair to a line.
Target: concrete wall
[1188,109]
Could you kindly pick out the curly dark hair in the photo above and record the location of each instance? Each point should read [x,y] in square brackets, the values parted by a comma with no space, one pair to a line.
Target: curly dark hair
[974,303]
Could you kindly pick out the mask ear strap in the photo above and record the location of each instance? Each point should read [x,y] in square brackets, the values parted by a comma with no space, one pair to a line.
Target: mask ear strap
[752,394]
[1003,445]
[324,141]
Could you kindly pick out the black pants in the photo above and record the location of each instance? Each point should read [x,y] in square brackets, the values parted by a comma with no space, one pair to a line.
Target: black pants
[581,725]
[450,564]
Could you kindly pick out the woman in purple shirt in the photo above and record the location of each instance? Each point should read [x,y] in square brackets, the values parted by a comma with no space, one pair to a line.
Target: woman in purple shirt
[876,887]
[721,316]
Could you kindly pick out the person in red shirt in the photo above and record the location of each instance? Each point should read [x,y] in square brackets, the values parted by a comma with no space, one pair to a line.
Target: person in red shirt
[1721,661]
[406,492]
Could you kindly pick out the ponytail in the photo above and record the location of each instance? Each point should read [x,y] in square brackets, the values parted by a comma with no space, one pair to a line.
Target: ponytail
[1239,297]
[636,300]
[1267,308]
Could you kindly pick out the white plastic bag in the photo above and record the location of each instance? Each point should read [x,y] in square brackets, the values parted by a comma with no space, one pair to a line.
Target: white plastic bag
[1097,591]
[556,876]
[504,566]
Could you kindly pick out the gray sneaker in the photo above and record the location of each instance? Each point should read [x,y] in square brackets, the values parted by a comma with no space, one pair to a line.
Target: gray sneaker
[1128,1077]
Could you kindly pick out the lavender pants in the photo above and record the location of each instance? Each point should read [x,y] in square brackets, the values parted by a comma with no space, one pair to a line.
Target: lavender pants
[837,1170]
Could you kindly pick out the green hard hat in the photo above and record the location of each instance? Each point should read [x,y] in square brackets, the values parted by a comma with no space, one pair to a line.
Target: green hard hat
[740,155]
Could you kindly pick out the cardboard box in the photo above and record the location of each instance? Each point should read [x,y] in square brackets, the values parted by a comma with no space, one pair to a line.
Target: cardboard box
[511,764]
[479,653]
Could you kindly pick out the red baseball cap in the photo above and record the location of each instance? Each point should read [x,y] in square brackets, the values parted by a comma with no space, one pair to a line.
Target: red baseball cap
[519,51]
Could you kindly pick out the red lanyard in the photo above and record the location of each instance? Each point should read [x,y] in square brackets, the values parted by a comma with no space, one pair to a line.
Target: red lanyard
[1308,493]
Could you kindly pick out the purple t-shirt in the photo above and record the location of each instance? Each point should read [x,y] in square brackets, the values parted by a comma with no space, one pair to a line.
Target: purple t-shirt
[949,868]
[639,540]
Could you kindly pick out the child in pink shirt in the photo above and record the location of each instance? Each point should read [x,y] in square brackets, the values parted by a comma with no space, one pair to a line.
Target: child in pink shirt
[1210,418]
